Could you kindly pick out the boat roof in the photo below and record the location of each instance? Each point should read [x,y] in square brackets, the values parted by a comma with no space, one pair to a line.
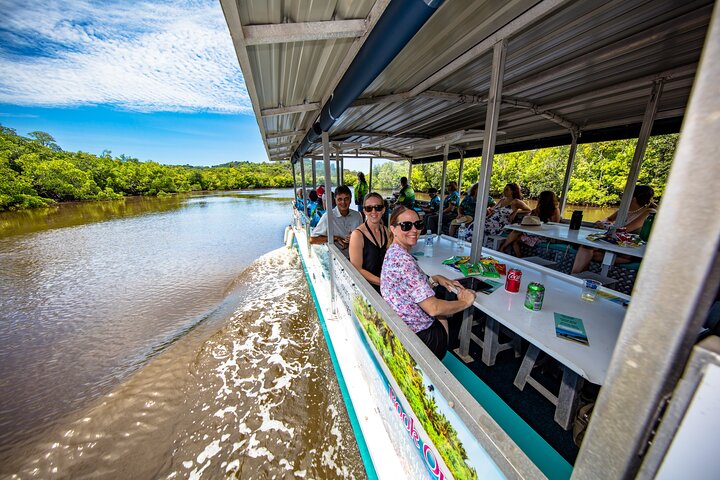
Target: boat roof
[586,66]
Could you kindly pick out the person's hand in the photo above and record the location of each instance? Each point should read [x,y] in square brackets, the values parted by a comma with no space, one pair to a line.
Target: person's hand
[343,242]
[466,296]
[450,285]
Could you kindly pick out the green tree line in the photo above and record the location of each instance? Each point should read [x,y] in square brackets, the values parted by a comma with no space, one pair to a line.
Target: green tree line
[599,174]
[36,172]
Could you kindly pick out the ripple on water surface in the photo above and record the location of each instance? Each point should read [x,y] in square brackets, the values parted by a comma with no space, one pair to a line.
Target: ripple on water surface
[255,399]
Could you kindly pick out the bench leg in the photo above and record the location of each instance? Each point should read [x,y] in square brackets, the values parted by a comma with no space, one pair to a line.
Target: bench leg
[526,366]
[465,335]
[491,341]
[568,398]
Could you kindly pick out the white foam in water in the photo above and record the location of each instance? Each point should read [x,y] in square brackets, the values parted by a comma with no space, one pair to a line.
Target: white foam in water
[263,351]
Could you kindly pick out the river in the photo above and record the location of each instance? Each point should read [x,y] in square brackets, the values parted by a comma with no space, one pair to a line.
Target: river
[164,338]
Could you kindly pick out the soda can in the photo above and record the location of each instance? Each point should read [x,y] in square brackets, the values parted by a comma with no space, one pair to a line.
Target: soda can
[534,297]
[512,281]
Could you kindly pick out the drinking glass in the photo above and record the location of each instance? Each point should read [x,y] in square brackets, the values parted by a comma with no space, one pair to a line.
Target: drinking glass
[590,289]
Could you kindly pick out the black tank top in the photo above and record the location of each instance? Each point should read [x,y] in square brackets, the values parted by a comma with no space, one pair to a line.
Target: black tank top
[373,255]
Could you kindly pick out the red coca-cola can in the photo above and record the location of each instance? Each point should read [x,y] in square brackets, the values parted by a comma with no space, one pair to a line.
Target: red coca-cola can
[512,282]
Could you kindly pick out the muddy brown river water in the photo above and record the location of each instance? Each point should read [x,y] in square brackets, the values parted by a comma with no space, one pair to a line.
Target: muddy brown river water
[164,338]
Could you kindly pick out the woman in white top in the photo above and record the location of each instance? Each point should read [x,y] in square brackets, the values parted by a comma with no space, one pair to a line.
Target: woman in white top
[641,206]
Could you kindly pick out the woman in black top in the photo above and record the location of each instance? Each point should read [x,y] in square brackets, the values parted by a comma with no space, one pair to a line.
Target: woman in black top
[370,240]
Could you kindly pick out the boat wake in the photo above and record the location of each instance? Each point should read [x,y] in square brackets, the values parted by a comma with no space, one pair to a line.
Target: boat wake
[256,398]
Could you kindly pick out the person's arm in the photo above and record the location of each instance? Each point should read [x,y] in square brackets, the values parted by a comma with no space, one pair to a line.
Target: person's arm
[518,206]
[555,217]
[434,307]
[319,233]
[357,240]
[607,221]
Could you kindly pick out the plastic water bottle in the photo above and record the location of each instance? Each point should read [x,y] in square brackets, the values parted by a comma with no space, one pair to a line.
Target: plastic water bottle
[462,233]
[429,244]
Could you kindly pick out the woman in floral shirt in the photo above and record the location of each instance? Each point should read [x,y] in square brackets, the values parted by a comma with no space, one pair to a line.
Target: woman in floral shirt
[410,292]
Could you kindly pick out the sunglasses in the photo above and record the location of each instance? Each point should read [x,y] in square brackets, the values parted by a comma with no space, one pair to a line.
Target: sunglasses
[370,208]
[406,226]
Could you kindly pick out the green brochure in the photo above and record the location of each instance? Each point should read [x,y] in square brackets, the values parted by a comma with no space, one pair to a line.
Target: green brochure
[570,328]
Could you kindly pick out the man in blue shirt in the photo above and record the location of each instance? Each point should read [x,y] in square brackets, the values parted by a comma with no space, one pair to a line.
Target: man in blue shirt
[434,204]
[452,199]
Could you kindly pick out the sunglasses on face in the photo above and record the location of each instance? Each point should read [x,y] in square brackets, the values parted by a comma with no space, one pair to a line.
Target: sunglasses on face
[406,226]
[370,208]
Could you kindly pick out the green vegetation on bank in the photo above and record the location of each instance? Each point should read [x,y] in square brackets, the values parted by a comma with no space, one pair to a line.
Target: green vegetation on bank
[36,172]
[598,178]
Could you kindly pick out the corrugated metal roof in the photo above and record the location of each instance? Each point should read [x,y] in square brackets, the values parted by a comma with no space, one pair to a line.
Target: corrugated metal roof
[587,62]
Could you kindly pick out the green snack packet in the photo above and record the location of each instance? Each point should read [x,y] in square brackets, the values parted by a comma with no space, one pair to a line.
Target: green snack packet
[479,270]
[457,259]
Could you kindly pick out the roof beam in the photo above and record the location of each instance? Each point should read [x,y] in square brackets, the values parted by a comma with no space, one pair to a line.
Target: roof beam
[303,32]
[284,134]
[539,110]
[282,110]
[370,133]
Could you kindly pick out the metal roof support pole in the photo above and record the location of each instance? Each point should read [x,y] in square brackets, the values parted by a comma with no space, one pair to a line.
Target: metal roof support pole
[292,166]
[370,176]
[337,169]
[488,148]
[666,311]
[648,119]
[314,176]
[462,165]
[410,173]
[329,212]
[446,152]
[305,196]
[342,169]
[568,171]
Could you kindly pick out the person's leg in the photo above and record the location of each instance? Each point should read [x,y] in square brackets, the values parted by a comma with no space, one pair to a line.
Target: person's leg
[511,240]
[582,259]
[516,248]
[443,321]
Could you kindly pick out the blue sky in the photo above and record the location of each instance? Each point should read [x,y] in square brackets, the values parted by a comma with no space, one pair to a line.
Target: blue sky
[153,80]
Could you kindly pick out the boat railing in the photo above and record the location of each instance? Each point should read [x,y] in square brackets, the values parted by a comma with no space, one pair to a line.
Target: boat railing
[407,363]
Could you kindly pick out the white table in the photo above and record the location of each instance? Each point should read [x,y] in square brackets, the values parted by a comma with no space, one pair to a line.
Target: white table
[562,232]
[602,318]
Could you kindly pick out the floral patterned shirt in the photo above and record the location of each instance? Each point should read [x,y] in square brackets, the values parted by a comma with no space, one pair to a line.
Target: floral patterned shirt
[404,285]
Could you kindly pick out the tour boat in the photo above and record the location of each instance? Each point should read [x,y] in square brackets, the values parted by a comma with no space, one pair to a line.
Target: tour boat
[421,81]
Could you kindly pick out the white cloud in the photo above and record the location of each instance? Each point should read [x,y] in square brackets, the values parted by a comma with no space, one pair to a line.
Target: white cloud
[161,56]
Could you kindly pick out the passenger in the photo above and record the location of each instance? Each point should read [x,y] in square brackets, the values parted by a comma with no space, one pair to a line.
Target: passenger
[409,291]
[361,190]
[466,210]
[321,191]
[641,206]
[547,210]
[407,194]
[434,205]
[299,199]
[344,221]
[450,203]
[369,242]
[313,210]
[505,211]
